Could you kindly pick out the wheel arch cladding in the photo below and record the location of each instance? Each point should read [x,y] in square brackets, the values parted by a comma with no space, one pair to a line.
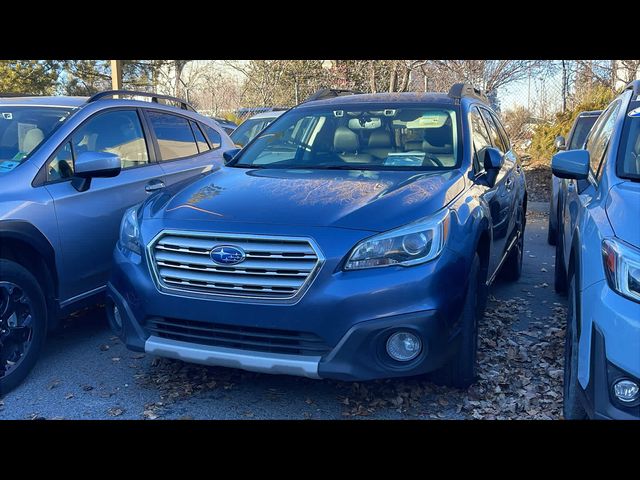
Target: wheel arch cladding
[25,244]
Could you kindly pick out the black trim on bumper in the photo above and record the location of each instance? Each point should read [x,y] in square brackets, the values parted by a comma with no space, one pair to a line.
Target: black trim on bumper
[361,354]
[597,397]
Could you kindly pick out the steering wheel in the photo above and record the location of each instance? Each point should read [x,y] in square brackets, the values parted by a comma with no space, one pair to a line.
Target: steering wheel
[433,159]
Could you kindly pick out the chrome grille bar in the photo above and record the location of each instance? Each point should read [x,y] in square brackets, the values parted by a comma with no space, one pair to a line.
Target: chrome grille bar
[274,267]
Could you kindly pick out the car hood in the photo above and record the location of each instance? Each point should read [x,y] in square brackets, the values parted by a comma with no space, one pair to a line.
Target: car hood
[356,199]
[623,210]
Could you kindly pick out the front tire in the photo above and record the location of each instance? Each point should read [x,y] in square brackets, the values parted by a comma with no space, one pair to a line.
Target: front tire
[512,268]
[552,231]
[572,408]
[23,323]
[559,272]
[461,370]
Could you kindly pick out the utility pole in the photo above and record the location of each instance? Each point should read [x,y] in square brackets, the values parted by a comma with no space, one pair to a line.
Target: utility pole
[565,84]
[116,74]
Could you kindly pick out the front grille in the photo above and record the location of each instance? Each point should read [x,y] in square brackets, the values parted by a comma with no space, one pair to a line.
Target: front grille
[244,338]
[274,267]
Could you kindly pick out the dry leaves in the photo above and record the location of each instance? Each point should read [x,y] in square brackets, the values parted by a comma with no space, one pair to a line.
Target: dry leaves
[520,377]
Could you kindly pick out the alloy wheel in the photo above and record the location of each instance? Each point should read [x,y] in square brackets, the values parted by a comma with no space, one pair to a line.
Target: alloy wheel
[16,326]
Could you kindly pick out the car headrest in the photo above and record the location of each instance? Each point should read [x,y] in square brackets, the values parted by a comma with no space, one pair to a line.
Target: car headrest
[345,140]
[32,139]
[379,138]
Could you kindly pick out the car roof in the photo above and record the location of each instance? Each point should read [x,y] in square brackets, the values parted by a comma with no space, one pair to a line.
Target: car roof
[272,114]
[388,98]
[48,101]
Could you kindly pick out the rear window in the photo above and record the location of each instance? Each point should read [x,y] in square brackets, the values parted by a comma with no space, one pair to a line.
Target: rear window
[174,135]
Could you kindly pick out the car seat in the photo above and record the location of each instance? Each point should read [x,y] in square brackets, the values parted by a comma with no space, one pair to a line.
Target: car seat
[347,144]
[380,143]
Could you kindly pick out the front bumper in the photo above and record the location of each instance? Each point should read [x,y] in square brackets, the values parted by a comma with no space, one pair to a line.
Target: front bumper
[598,398]
[609,349]
[352,312]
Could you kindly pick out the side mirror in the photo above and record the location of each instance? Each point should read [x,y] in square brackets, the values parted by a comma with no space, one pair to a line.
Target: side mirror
[90,165]
[493,159]
[573,164]
[228,155]
[560,143]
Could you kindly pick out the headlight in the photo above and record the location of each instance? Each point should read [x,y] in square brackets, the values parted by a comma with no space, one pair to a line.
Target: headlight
[130,231]
[412,244]
[622,266]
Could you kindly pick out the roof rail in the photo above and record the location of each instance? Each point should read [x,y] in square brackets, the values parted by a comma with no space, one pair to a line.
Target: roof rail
[324,93]
[634,86]
[459,90]
[154,97]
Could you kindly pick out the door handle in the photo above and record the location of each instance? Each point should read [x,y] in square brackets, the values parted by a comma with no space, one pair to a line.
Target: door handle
[154,186]
[509,183]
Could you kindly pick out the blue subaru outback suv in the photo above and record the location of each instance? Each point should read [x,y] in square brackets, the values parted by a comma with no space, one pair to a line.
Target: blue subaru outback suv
[354,238]
[598,264]
[69,168]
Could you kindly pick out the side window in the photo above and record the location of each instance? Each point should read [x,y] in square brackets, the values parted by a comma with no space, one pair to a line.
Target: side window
[116,131]
[480,137]
[214,137]
[203,146]
[598,142]
[60,167]
[174,135]
[496,139]
[502,132]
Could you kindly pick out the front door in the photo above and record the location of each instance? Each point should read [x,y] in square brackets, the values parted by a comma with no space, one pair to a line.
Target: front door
[89,221]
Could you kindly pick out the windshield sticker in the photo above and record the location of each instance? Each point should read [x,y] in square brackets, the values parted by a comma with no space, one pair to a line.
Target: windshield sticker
[405,159]
[8,165]
[635,112]
[7,116]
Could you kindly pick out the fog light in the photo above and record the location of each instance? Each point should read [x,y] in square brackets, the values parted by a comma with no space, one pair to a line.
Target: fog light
[117,319]
[403,346]
[626,391]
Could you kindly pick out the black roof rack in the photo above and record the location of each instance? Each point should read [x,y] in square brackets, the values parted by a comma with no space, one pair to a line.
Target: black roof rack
[154,97]
[634,86]
[324,93]
[459,90]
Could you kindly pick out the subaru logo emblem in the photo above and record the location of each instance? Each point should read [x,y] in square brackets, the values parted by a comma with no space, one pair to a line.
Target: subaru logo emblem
[227,255]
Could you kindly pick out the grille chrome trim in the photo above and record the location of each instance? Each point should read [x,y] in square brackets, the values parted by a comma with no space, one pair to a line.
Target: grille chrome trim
[276,268]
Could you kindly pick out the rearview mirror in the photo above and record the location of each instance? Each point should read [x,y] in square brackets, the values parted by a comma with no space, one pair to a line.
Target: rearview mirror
[573,164]
[560,143]
[228,155]
[90,165]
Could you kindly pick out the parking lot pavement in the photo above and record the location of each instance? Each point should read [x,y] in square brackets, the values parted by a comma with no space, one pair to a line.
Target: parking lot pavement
[86,373]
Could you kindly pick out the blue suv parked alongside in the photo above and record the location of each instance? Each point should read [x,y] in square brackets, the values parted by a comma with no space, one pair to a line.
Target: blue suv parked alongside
[598,264]
[354,238]
[69,168]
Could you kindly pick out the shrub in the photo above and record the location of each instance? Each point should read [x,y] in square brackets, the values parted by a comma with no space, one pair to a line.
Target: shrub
[541,148]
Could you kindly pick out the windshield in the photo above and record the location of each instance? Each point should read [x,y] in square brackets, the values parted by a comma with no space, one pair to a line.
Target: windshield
[629,161]
[249,129]
[380,138]
[581,130]
[22,129]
